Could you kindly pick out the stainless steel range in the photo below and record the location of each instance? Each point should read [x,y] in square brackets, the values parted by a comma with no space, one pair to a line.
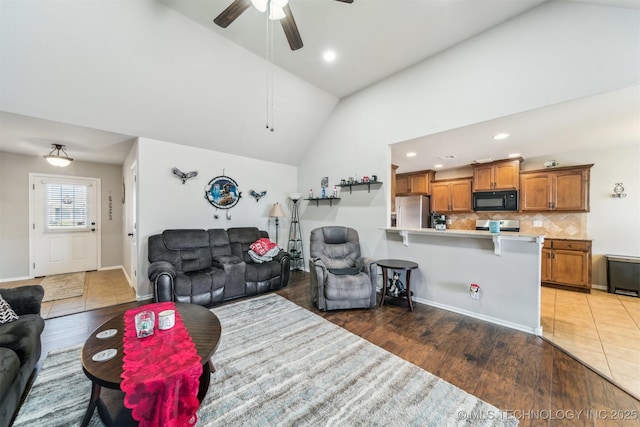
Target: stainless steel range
[505,225]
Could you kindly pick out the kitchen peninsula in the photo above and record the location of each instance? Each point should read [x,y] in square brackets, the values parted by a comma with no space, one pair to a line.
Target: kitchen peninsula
[506,266]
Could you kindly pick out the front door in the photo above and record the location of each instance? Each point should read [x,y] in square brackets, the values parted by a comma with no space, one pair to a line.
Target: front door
[65,224]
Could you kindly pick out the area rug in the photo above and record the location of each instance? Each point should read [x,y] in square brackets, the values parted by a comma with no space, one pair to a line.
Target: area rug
[281,365]
[61,286]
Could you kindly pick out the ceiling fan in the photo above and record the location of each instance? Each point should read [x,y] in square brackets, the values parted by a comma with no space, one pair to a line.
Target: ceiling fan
[278,10]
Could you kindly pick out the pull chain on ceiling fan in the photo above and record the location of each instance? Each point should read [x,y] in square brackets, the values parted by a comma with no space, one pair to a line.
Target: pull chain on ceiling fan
[278,10]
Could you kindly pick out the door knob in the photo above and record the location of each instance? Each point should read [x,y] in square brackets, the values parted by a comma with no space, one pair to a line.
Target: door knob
[129,234]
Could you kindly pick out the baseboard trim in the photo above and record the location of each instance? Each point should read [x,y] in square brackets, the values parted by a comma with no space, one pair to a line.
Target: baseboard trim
[13,279]
[511,325]
[144,297]
[113,267]
[599,287]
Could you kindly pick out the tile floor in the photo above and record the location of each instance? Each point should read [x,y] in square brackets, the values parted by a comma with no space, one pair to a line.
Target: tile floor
[600,329]
[101,289]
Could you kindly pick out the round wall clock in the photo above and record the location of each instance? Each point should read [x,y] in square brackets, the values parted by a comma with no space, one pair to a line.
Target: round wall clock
[222,192]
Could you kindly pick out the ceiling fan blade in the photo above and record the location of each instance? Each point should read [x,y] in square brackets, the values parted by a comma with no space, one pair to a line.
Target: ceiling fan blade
[230,14]
[291,29]
[346,1]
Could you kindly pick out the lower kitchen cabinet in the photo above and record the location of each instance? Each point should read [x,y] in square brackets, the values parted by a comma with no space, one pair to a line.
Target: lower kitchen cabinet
[567,264]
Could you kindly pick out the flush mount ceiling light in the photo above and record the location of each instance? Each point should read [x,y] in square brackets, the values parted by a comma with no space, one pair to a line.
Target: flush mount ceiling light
[500,136]
[513,155]
[58,159]
[411,154]
[438,166]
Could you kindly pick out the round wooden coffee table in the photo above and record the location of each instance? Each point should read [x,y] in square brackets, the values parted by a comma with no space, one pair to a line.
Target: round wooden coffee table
[396,264]
[204,329]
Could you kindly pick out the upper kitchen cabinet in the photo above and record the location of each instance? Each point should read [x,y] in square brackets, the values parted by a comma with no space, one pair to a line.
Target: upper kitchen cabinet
[498,175]
[418,182]
[560,189]
[452,195]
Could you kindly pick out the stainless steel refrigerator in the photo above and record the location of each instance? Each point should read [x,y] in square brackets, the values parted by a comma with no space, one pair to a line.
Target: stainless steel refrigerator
[413,212]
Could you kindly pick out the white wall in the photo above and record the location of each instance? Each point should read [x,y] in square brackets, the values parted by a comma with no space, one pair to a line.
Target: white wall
[140,68]
[555,53]
[165,203]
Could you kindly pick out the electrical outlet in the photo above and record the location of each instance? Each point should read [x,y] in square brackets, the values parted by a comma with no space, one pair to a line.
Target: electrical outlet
[449,221]
[537,223]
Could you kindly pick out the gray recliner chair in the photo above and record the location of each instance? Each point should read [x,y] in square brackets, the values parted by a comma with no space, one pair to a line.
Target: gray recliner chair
[340,277]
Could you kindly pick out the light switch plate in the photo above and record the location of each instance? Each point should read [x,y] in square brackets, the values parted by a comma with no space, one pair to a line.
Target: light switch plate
[537,223]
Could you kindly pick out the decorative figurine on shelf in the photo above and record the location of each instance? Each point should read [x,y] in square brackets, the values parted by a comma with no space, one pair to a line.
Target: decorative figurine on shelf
[324,183]
[335,191]
[396,287]
[311,193]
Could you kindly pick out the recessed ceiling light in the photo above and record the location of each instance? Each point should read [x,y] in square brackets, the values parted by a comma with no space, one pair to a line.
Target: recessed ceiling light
[514,155]
[501,136]
[411,154]
[438,165]
[329,56]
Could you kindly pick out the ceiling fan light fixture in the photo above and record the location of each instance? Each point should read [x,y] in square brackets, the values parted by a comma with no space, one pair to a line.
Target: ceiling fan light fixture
[275,7]
[276,13]
[57,159]
[261,5]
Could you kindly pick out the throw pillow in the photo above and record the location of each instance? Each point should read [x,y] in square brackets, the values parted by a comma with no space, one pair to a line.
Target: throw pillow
[6,312]
[262,246]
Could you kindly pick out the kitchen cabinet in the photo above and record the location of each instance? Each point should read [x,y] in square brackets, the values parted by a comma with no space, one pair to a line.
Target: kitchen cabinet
[411,183]
[561,189]
[567,264]
[453,195]
[498,175]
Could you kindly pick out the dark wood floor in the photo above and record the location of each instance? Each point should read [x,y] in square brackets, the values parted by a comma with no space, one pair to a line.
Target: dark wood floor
[517,372]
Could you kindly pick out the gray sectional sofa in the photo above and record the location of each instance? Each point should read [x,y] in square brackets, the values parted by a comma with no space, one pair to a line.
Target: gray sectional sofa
[206,267]
[20,346]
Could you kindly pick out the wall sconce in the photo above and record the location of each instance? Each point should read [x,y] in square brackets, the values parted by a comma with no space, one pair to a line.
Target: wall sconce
[58,159]
[618,190]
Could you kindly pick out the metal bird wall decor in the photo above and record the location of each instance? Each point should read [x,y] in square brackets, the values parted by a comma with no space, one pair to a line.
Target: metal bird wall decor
[184,176]
[258,196]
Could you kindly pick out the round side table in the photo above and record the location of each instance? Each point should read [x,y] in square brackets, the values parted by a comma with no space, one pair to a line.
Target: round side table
[396,264]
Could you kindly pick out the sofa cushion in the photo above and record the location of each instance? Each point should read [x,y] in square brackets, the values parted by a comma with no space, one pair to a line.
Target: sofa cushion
[219,242]
[22,335]
[6,312]
[9,368]
[199,282]
[240,239]
[187,250]
[262,272]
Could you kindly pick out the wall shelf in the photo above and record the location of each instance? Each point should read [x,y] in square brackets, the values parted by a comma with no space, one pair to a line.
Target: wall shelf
[355,184]
[318,199]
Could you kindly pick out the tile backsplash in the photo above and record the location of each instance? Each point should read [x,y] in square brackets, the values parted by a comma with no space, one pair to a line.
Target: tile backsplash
[554,224]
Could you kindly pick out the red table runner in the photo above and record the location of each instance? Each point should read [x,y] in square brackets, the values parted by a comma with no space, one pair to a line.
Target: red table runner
[160,373]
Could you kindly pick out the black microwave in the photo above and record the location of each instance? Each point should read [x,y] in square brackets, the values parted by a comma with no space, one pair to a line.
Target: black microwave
[495,201]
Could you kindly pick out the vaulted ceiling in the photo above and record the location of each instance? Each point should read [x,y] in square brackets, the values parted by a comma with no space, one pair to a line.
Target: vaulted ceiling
[162,69]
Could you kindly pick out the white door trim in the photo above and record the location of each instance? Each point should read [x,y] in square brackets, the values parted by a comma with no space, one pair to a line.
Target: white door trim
[98,215]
